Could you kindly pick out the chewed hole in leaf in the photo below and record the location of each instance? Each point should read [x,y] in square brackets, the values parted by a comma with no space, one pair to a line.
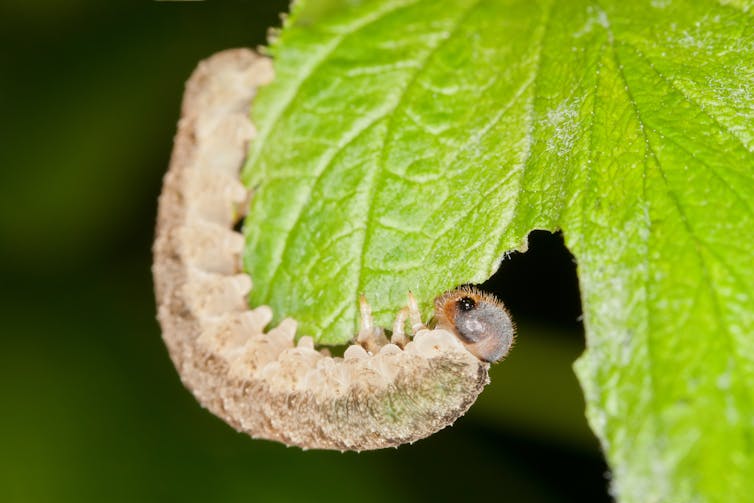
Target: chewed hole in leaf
[540,284]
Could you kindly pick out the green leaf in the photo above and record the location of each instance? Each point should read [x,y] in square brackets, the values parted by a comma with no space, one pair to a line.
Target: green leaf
[408,145]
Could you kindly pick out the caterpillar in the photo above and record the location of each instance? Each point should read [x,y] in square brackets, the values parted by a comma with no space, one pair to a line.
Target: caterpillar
[263,381]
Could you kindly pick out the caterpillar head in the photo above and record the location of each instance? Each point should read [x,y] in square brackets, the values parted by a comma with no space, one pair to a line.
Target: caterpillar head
[478,319]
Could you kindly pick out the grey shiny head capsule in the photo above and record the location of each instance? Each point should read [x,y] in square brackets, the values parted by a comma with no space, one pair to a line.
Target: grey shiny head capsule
[478,319]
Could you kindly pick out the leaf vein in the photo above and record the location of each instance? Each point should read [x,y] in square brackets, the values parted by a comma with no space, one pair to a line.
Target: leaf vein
[651,350]
[687,98]
[689,230]
[307,72]
[375,182]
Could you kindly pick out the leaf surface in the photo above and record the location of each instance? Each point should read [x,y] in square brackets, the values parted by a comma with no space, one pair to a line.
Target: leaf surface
[408,145]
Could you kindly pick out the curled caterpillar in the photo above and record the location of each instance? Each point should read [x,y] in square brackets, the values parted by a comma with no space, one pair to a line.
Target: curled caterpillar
[262,381]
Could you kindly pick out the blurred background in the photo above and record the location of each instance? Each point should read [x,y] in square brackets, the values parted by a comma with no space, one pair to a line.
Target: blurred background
[91,408]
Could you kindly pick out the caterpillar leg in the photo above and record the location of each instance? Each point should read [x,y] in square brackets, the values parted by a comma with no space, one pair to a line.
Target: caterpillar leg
[370,337]
[414,315]
[399,337]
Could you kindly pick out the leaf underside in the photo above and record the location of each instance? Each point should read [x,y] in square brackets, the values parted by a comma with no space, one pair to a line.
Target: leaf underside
[408,145]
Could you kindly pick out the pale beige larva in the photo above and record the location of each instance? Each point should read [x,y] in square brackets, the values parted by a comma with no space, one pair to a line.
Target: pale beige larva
[259,380]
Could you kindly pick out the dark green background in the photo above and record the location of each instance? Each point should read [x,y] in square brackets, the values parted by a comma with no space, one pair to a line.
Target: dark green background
[91,408]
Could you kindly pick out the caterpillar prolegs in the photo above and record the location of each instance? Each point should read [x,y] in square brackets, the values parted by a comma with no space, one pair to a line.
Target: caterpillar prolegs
[264,382]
